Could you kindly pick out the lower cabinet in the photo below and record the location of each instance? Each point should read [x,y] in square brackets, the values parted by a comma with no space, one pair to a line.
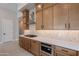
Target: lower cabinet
[60,51]
[35,47]
[27,44]
[78,53]
[21,42]
[24,43]
[32,46]
[43,54]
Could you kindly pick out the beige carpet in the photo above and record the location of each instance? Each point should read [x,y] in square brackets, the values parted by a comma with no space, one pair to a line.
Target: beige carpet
[12,48]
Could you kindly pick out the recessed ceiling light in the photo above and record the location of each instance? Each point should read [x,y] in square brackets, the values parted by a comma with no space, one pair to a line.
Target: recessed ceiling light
[39,6]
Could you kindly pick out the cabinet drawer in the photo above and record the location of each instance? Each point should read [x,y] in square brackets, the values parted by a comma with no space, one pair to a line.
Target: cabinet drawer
[60,54]
[35,42]
[35,47]
[65,50]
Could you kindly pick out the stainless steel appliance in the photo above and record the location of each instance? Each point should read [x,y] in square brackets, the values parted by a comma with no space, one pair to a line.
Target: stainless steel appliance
[46,49]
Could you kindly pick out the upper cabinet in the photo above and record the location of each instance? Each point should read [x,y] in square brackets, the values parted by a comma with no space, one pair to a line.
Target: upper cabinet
[39,20]
[66,16]
[57,16]
[44,16]
[48,17]
[39,16]
[73,16]
[60,16]
[24,21]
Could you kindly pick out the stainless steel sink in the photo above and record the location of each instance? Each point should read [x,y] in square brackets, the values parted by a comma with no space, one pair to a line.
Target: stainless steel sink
[30,35]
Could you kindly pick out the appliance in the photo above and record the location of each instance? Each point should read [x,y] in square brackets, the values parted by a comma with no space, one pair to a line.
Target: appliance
[46,49]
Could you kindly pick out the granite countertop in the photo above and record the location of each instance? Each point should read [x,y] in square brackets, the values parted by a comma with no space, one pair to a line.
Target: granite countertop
[74,45]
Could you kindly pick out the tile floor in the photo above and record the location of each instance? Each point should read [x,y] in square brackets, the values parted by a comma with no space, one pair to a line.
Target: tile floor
[12,48]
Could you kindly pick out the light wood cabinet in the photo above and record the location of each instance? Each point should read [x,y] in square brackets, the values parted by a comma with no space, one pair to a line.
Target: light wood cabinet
[35,47]
[47,5]
[21,42]
[73,16]
[78,53]
[60,54]
[27,44]
[43,54]
[48,18]
[66,16]
[24,43]
[24,21]
[60,16]
[39,20]
[38,7]
[60,51]
[44,17]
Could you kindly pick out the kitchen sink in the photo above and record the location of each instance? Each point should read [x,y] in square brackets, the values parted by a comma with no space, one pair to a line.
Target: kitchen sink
[30,35]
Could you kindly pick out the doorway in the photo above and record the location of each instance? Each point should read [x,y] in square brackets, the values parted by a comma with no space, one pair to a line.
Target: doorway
[6,30]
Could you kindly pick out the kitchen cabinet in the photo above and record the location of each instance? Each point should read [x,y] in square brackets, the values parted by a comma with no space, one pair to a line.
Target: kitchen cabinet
[35,47]
[78,53]
[61,51]
[48,18]
[73,16]
[44,17]
[21,42]
[66,16]
[27,44]
[43,54]
[39,20]
[24,43]
[24,21]
[38,7]
[60,16]
[47,5]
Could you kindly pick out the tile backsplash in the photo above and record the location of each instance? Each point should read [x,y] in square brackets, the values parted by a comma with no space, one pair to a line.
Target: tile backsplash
[71,35]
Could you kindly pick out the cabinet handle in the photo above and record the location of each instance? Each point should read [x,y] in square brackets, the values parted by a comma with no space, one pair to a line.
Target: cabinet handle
[65,25]
[69,26]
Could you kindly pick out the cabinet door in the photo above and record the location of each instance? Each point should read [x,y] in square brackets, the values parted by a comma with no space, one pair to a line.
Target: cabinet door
[21,42]
[48,18]
[39,20]
[78,53]
[74,16]
[60,16]
[27,44]
[35,47]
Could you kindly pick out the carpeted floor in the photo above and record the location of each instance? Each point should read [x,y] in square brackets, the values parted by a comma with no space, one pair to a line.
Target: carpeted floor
[12,48]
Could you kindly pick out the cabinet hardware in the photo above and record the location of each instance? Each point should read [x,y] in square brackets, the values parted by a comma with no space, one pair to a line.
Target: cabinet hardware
[68,25]
[65,25]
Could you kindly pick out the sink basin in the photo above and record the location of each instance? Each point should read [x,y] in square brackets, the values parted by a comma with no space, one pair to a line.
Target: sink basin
[31,35]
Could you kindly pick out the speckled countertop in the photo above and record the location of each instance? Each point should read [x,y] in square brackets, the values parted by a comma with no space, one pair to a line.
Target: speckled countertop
[74,45]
